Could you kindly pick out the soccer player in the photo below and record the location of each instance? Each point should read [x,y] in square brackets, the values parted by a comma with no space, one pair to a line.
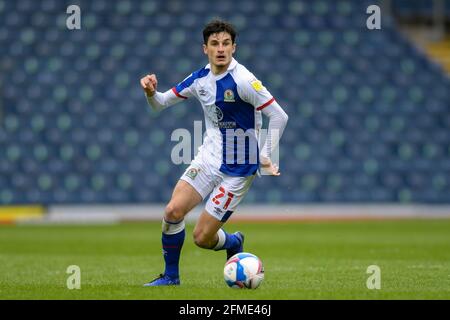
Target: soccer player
[233,101]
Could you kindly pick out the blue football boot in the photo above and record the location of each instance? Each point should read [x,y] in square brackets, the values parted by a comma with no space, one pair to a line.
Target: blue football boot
[163,280]
[240,249]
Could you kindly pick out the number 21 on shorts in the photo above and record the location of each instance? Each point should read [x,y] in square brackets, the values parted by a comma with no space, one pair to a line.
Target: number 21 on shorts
[220,195]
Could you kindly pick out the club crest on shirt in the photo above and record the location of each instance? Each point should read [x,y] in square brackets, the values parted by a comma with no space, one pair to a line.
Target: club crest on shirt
[192,173]
[228,96]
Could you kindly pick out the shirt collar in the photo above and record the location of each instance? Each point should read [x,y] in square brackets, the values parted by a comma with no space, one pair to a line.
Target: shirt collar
[232,65]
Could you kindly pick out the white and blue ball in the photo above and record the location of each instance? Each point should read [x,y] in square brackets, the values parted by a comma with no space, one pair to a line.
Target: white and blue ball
[244,270]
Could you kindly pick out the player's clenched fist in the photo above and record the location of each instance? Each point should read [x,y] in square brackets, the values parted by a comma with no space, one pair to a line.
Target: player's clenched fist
[149,84]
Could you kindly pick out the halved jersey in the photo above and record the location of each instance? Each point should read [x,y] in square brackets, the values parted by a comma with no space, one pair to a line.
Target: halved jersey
[232,104]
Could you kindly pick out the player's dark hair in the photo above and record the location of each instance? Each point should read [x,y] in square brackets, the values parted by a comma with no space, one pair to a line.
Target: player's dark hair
[217,26]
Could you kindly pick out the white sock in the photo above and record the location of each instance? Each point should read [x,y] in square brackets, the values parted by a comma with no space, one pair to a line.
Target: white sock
[172,227]
[221,241]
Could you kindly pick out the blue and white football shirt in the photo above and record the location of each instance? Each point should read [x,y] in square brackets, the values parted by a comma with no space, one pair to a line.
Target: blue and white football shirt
[232,103]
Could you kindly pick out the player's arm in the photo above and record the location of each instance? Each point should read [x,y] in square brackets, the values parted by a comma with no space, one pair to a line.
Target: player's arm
[159,100]
[253,92]
[277,123]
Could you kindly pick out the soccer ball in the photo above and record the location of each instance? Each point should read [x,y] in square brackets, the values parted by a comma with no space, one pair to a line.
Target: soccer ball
[244,270]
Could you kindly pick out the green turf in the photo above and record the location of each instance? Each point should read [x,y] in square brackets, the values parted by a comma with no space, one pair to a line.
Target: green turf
[302,261]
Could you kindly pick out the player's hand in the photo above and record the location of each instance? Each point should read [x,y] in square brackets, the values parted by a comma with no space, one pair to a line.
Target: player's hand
[269,167]
[149,84]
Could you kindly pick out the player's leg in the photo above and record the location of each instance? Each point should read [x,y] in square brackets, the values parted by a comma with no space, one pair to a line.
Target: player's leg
[194,185]
[224,199]
[184,199]
[205,231]
[209,234]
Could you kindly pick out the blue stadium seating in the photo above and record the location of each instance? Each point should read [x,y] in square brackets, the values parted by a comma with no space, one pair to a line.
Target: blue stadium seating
[417,8]
[369,113]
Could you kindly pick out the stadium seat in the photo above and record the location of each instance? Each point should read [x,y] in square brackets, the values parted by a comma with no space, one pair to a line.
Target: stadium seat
[368,111]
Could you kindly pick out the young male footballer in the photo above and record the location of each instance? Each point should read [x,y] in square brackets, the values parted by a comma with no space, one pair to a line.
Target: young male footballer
[233,102]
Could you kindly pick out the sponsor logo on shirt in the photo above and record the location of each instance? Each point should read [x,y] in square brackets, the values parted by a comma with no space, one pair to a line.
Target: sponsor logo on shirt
[216,115]
[257,85]
[227,125]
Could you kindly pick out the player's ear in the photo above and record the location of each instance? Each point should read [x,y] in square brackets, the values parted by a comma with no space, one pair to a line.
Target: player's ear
[205,51]
[234,47]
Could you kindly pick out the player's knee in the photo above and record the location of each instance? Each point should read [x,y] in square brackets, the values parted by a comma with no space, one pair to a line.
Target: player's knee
[173,212]
[201,239]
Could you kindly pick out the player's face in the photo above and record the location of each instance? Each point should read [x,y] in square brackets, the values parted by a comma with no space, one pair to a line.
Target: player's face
[219,49]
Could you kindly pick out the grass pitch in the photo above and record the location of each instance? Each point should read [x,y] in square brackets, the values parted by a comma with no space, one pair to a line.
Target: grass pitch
[303,260]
